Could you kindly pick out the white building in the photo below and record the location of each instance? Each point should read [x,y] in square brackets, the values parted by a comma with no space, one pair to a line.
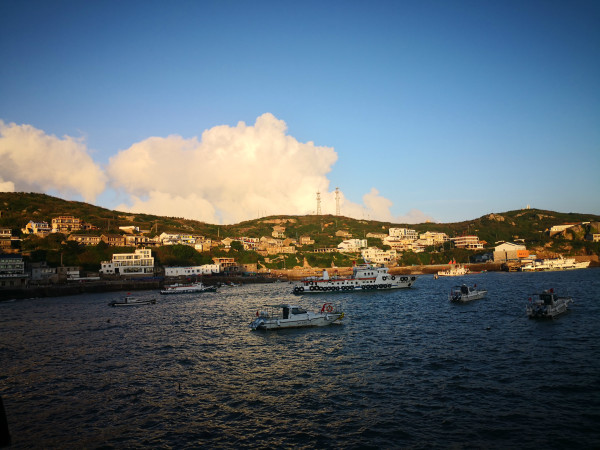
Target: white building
[378,256]
[141,262]
[206,269]
[433,238]
[352,245]
[509,251]
[404,233]
[468,242]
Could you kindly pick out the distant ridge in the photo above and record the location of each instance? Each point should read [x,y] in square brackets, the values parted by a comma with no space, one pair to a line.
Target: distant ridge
[18,208]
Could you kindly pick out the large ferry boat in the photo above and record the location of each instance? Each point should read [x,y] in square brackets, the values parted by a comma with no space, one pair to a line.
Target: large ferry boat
[363,277]
[560,263]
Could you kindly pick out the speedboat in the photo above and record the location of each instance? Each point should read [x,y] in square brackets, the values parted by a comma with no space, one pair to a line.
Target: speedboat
[364,277]
[187,288]
[132,301]
[548,305]
[466,293]
[275,317]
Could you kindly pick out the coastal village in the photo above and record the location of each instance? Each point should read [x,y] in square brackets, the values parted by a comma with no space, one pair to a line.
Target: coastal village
[139,263]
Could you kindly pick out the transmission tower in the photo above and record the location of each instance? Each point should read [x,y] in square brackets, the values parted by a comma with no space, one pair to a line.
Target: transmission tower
[337,201]
[318,203]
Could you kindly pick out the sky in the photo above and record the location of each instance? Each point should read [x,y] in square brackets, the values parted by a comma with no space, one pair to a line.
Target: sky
[224,111]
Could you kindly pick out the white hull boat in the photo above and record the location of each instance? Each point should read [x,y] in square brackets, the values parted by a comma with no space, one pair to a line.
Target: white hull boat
[132,301]
[364,277]
[455,270]
[548,305]
[189,288]
[547,265]
[466,293]
[276,317]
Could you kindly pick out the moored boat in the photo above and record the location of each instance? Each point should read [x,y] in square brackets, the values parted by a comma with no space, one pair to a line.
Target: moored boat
[466,293]
[275,317]
[132,301]
[187,288]
[455,270]
[363,277]
[548,305]
[560,263]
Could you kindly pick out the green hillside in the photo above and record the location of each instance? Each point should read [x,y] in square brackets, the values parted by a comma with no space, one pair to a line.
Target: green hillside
[17,209]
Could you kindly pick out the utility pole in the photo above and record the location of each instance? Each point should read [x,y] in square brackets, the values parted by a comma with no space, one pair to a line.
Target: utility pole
[318,203]
[337,201]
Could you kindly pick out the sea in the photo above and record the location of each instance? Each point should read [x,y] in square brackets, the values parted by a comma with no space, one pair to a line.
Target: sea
[405,369]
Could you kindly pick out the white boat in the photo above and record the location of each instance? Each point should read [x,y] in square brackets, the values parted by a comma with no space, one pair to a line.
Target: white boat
[276,317]
[455,270]
[560,263]
[132,301]
[466,293]
[363,277]
[548,305]
[187,288]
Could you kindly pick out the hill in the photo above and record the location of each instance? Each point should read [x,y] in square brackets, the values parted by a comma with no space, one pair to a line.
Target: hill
[530,225]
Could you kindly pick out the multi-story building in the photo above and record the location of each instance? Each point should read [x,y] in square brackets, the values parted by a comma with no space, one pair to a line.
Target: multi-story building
[5,239]
[38,228]
[378,256]
[65,224]
[434,238]
[467,242]
[116,240]
[352,245]
[140,262]
[85,239]
[12,271]
[306,240]
[226,264]
[404,233]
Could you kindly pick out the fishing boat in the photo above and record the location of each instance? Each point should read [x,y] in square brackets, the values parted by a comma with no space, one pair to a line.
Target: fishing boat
[464,293]
[548,305]
[275,317]
[364,277]
[132,301]
[455,270]
[187,288]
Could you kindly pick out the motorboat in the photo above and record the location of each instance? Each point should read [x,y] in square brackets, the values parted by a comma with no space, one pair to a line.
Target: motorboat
[187,288]
[364,277]
[132,301]
[466,293]
[275,317]
[548,305]
[455,270]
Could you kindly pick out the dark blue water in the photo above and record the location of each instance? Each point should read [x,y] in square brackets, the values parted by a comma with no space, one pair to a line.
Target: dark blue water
[407,369]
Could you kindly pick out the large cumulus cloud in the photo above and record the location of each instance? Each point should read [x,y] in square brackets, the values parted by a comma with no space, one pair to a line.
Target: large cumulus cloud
[31,160]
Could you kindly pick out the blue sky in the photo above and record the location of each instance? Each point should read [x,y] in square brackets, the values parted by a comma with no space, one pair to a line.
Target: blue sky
[416,110]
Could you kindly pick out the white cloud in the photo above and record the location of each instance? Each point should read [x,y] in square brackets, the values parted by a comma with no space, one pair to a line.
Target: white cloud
[232,174]
[31,160]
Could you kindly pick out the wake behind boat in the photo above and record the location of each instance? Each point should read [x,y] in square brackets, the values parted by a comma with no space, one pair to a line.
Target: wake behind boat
[187,288]
[466,293]
[363,277]
[132,301]
[290,316]
[548,305]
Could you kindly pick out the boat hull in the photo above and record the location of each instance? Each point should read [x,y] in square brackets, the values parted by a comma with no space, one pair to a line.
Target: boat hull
[320,320]
[464,298]
[322,287]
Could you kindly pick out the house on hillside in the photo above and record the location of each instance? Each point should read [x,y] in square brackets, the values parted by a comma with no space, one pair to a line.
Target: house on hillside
[65,224]
[467,242]
[352,245]
[85,239]
[41,229]
[115,240]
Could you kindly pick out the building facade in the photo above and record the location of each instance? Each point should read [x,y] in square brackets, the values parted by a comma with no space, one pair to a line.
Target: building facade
[141,262]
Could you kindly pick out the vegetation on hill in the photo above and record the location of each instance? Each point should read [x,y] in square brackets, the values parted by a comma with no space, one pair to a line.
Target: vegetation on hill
[529,225]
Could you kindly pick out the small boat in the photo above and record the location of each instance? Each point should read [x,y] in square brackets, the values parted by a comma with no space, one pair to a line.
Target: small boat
[132,301]
[455,270]
[276,317]
[364,277]
[466,293]
[187,288]
[548,305]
